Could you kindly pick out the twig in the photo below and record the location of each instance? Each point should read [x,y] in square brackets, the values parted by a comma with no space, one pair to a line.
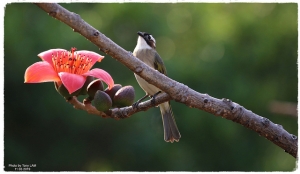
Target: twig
[119,113]
[177,91]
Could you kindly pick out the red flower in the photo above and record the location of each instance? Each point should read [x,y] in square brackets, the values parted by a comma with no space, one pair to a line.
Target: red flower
[67,68]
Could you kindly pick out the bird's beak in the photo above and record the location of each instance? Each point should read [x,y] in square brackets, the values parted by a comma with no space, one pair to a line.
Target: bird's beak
[140,33]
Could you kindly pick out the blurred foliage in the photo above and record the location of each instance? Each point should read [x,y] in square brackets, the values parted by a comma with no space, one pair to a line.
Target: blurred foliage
[244,52]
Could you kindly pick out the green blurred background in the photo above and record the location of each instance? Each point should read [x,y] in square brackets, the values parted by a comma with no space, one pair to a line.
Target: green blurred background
[244,52]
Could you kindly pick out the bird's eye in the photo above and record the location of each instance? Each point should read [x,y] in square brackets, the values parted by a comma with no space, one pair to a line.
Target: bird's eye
[149,37]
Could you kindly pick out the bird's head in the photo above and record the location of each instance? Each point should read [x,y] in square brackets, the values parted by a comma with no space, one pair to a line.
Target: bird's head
[146,40]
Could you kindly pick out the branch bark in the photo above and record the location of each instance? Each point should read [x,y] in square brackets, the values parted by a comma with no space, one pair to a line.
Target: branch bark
[118,113]
[175,90]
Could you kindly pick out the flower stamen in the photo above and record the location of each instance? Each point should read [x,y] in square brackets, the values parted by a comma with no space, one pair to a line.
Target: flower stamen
[71,62]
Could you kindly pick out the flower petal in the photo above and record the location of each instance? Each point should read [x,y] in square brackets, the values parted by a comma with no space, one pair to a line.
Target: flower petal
[102,75]
[72,82]
[92,55]
[47,55]
[40,72]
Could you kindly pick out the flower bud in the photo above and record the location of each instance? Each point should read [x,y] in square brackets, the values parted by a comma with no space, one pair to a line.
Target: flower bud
[124,96]
[102,101]
[62,90]
[88,80]
[93,87]
[111,92]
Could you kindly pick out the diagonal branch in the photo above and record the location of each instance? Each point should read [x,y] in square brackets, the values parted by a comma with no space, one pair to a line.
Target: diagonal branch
[175,90]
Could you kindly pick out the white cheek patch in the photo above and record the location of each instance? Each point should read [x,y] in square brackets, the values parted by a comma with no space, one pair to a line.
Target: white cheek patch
[154,42]
[152,38]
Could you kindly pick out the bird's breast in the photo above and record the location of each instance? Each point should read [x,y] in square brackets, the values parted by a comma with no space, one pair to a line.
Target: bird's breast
[147,87]
[145,55]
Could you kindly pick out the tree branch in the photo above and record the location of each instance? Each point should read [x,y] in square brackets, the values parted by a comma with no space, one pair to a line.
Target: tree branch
[175,90]
[118,113]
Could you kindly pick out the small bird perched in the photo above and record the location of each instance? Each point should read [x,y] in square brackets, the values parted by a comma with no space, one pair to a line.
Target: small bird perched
[145,50]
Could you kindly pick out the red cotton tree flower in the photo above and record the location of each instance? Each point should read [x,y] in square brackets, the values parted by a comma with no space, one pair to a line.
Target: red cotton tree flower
[67,68]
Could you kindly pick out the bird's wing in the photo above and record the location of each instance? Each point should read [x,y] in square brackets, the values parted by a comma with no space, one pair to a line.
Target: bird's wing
[159,64]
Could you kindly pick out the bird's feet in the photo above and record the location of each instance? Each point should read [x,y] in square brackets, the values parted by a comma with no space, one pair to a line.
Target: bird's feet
[153,97]
[136,104]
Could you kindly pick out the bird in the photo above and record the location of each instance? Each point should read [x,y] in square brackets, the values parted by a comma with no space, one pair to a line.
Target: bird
[145,50]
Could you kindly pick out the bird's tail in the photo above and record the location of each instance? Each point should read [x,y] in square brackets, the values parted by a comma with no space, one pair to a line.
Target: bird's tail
[171,132]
